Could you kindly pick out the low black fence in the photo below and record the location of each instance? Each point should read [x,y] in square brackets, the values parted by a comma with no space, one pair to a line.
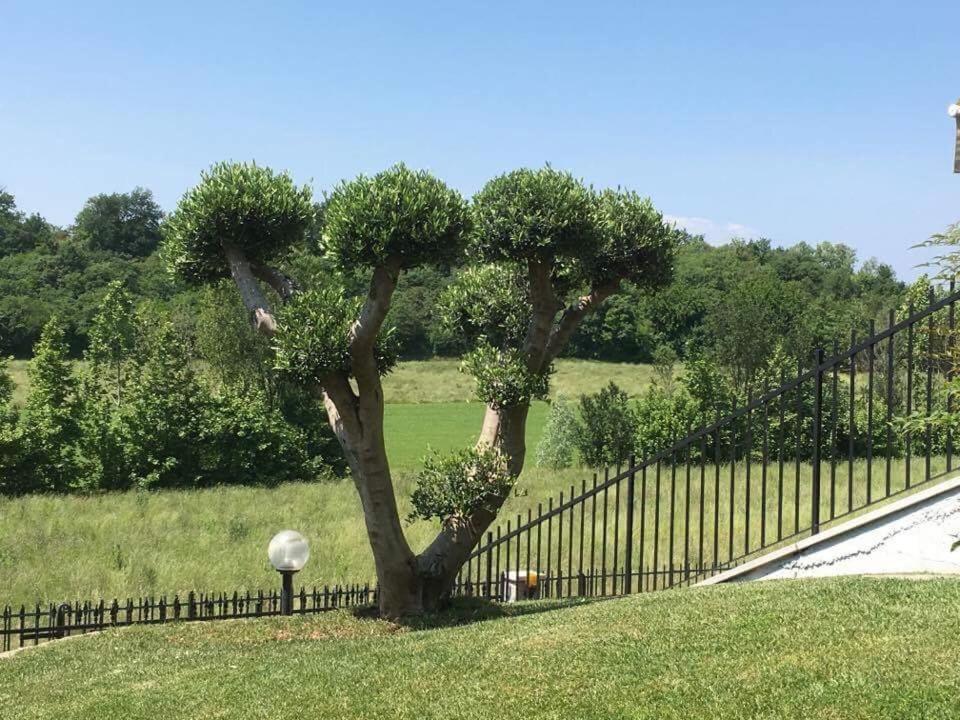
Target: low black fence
[25,626]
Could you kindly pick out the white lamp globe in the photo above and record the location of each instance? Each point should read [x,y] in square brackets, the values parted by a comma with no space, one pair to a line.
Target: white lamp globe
[288,551]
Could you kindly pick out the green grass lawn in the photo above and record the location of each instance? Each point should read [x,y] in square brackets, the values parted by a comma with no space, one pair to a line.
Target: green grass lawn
[850,648]
[412,430]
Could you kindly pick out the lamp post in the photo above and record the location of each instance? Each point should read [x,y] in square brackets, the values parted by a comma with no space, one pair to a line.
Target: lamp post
[954,112]
[288,552]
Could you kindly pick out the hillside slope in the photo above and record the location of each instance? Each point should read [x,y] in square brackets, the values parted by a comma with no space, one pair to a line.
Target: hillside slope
[852,648]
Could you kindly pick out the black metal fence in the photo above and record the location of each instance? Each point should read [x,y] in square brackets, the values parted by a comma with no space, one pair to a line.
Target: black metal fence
[821,446]
[23,626]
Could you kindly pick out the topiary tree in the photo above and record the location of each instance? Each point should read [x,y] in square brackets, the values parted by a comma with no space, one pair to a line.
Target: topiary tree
[539,252]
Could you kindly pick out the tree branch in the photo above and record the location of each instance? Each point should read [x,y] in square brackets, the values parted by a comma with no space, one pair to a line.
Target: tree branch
[250,291]
[364,332]
[545,307]
[574,315]
[284,285]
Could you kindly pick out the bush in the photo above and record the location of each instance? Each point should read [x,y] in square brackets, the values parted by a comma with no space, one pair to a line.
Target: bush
[452,488]
[560,435]
[608,427]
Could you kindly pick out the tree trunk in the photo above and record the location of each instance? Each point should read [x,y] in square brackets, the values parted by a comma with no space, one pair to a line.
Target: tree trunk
[400,585]
[505,430]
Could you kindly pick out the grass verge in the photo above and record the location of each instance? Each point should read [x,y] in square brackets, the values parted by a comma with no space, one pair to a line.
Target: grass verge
[850,648]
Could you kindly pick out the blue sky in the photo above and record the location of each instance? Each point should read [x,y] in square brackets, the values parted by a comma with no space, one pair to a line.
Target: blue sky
[794,121]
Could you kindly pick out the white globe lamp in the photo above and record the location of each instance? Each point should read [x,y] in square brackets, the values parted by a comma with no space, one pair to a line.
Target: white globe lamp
[288,552]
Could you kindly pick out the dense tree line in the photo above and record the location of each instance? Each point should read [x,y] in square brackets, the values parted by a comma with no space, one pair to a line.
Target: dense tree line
[735,301]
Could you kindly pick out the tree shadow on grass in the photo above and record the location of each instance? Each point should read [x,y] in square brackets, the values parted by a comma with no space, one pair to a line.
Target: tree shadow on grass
[466,611]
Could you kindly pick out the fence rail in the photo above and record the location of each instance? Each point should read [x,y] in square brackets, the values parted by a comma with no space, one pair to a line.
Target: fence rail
[821,446]
[23,626]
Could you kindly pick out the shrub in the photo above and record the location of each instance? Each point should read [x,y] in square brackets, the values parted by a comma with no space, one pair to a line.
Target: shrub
[608,427]
[560,434]
[452,488]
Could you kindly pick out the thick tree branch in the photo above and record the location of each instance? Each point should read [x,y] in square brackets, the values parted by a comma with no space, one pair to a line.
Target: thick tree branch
[363,335]
[364,332]
[545,307]
[574,315]
[250,291]
[284,285]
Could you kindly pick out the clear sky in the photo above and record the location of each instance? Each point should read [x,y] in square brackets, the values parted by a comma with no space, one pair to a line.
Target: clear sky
[789,120]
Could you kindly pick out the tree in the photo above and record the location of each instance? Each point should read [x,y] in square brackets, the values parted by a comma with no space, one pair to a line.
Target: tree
[127,223]
[112,336]
[544,250]
[50,427]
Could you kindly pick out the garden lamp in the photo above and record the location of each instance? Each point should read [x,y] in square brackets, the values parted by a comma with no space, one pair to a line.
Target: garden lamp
[954,112]
[288,552]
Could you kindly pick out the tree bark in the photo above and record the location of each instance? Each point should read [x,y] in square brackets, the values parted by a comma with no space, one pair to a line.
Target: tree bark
[250,292]
[504,429]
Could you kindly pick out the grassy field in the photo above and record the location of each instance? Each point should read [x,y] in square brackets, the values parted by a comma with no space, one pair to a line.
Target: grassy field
[432,381]
[440,380]
[163,542]
[54,548]
[851,648]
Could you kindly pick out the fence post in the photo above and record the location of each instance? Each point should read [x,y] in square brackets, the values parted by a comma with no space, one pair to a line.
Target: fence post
[61,620]
[817,413]
[489,564]
[628,550]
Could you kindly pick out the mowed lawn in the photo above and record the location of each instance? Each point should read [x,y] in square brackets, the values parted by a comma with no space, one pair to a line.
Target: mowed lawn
[804,650]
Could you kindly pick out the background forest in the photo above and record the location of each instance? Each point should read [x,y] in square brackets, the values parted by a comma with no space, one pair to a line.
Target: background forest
[175,389]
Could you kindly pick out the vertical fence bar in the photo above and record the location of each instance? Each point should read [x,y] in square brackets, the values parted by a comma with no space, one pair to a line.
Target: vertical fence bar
[560,547]
[703,478]
[929,428]
[817,417]
[798,439]
[780,453]
[833,434]
[570,543]
[716,498]
[616,531]
[852,429]
[603,546]
[643,521]
[656,525]
[889,436]
[733,484]
[908,435]
[686,518]
[871,353]
[593,535]
[489,565]
[673,493]
[628,547]
[951,326]
[748,451]
[583,505]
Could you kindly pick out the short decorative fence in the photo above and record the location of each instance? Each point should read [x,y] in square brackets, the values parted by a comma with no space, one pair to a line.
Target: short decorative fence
[23,626]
